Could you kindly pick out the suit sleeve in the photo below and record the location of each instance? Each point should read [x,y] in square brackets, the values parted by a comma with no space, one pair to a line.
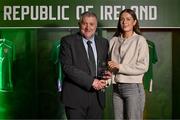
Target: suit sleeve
[73,73]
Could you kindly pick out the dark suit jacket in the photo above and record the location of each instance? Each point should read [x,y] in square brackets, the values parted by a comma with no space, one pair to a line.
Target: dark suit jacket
[77,83]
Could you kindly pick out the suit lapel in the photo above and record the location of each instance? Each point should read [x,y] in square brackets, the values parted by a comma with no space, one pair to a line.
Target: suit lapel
[99,50]
[82,51]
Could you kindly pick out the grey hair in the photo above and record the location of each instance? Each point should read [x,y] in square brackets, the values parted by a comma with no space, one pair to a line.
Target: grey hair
[86,14]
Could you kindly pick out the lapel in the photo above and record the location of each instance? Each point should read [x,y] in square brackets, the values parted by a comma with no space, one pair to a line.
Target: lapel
[99,51]
[82,50]
[98,47]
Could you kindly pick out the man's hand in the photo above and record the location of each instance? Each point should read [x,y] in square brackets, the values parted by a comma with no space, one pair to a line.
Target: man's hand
[99,84]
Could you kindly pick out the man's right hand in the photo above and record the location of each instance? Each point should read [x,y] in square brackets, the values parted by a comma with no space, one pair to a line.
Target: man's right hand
[99,84]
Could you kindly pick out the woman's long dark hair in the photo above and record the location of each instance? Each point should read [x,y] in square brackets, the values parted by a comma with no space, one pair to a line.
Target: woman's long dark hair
[119,30]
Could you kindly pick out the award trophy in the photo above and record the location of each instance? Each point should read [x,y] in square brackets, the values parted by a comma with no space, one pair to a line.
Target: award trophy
[102,68]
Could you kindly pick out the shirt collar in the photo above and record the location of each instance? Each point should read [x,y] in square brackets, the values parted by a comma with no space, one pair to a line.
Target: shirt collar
[85,40]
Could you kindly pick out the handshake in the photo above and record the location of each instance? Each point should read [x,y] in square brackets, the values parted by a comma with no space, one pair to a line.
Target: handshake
[100,83]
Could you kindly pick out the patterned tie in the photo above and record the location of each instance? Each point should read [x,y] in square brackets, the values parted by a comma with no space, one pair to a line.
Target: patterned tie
[91,59]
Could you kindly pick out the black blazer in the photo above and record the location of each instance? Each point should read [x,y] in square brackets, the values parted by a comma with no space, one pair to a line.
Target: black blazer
[77,82]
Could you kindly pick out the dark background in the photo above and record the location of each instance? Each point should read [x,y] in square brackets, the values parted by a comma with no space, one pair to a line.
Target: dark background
[35,75]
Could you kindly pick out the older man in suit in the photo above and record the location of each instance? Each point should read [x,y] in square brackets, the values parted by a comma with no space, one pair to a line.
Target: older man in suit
[82,56]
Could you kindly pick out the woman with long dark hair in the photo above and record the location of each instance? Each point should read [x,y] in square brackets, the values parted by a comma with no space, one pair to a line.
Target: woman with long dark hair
[129,56]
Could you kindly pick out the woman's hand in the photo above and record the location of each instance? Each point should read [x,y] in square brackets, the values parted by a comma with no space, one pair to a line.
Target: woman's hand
[113,66]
